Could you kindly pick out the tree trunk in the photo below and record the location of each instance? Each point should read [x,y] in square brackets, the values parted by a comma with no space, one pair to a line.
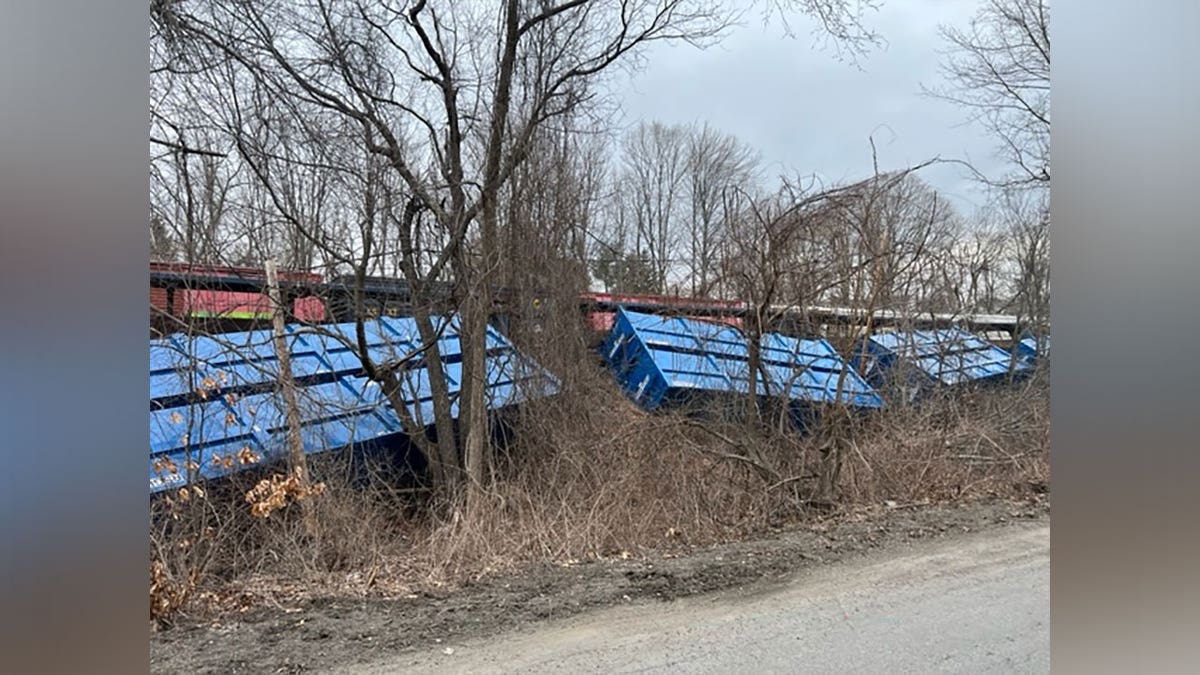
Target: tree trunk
[287,385]
[754,364]
[474,311]
[473,413]
[477,280]
[446,467]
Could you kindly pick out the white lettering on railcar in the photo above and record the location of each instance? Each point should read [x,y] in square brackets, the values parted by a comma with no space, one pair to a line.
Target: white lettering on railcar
[162,481]
[641,388]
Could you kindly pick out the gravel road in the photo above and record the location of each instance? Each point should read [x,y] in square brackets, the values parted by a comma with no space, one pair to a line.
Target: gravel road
[977,603]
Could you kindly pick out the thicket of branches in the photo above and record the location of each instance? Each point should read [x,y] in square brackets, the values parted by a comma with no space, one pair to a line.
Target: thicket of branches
[468,145]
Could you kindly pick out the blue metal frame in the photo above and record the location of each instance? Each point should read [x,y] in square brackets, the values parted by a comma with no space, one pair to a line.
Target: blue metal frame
[948,357]
[1028,350]
[658,359]
[213,408]
[815,371]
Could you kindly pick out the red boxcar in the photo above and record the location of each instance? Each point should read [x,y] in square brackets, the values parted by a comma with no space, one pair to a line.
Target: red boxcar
[209,304]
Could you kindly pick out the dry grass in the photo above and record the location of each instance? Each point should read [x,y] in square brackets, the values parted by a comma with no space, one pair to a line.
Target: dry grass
[990,442]
[592,476]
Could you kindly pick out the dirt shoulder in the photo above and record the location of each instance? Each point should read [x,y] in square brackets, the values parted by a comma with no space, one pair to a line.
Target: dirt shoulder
[328,633]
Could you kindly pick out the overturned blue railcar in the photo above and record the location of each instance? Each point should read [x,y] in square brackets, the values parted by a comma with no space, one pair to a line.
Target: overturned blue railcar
[215,409]
[1034,349]
[917,360]
[669,360]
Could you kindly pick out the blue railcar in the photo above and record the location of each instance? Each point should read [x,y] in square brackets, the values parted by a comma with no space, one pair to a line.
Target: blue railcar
[1033,349]
[946,357]
[214,409]
[660,360]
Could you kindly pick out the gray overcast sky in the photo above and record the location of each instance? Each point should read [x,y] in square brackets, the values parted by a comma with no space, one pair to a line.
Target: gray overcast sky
[806,111]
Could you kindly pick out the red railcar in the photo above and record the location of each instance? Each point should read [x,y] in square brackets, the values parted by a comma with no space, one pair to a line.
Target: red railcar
[184,293]
[191,304]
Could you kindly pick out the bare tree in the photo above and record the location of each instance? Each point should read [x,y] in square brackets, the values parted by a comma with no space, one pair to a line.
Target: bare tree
[776,257]
[758,259]
[1028,227]
[550,206]
[462,91]
[387,135]
[716,164]
[670,207]
[878,231]
[976,269]
[191,192]
[890,233]
[653,182]
[840,22]
[998,68]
